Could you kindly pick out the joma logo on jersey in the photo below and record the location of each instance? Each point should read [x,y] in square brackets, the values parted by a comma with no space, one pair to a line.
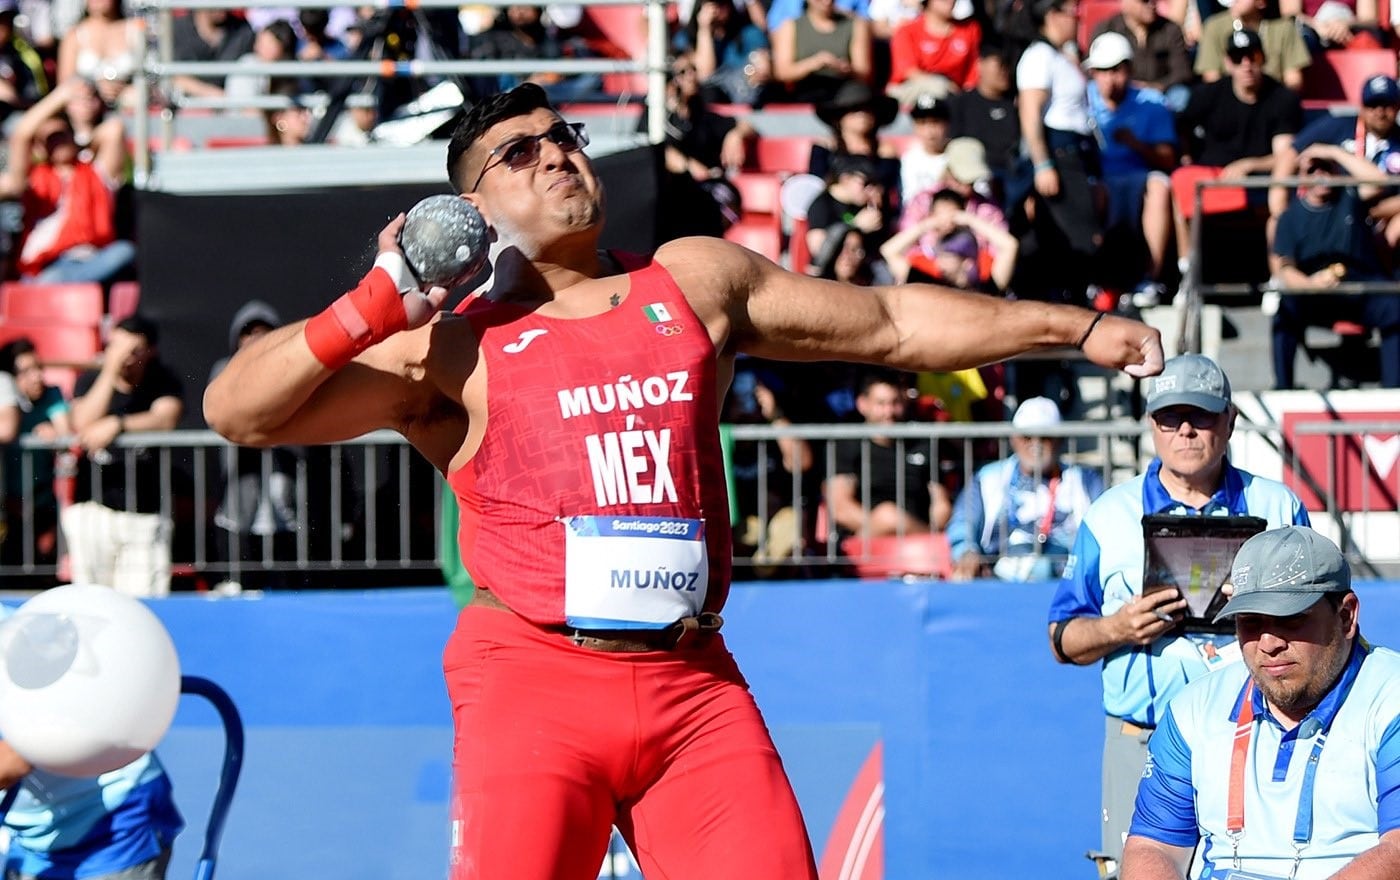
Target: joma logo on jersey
[525,339]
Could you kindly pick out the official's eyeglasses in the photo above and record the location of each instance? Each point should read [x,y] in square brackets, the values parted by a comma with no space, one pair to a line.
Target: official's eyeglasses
[520,153]
[1170,420]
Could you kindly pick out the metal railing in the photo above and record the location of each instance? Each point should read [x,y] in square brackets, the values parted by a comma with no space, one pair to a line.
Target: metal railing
[160,68]
[1196,289]
[366,511]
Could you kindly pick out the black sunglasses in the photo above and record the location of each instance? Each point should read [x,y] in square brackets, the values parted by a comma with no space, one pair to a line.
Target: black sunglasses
[520,153]
[1170,420]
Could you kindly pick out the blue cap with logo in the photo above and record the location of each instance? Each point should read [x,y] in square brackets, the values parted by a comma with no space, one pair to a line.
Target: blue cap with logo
[1189,380]
[1283,572]
[1380,90]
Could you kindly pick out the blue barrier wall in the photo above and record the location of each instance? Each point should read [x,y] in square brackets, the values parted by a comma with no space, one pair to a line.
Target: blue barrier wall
[990,749]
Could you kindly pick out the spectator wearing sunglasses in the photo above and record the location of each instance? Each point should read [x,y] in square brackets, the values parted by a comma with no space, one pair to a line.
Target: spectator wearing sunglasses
[574,410]
[1100,613]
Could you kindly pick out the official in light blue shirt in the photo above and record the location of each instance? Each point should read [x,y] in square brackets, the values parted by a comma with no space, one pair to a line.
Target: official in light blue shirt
[1287,765]
[1099,612]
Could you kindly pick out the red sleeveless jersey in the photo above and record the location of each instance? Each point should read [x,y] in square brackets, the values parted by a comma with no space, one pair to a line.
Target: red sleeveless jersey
[615,414]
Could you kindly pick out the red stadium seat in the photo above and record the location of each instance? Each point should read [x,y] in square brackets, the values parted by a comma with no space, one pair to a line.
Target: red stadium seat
[617,32]
[895,556]
[798,255]
[1091,13]
[224,142]
[758,191]
[783,154]
[124,299]
[76,303]
[60,344]
[759,236]
[1338,75]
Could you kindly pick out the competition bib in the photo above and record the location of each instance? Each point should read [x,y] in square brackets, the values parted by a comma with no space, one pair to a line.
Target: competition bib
[633,572]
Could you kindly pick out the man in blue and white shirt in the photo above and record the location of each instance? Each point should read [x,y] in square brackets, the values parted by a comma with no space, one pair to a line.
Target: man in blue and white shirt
[1287,765]
[1099,611]
[1019,515]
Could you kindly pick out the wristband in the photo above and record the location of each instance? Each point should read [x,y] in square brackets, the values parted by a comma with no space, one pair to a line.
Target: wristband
[1057,640]
[1090,329]
[368,314]
[1047,165]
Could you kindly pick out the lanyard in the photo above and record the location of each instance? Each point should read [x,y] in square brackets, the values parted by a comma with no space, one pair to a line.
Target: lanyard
[1047,522]
[1234,820]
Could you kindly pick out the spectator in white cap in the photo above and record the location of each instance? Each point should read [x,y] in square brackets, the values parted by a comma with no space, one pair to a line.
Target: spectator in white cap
[1018,516]
[1137,149]
[1287,765]
[1099,612]
[1160,57]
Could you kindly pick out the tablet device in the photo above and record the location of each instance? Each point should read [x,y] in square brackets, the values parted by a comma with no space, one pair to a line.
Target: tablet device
[1193,554]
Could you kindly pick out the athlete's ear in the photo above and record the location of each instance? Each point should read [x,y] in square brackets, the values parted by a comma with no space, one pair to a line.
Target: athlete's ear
[480,204]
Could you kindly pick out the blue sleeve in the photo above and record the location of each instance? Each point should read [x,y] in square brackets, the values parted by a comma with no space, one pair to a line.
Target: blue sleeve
[781,11]
[1300,514]
[1324,130]
[966,523]
[1388,779]
[1080,593]
[1166,804]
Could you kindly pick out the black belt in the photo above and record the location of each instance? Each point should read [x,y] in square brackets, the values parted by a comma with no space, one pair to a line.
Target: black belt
[683,633]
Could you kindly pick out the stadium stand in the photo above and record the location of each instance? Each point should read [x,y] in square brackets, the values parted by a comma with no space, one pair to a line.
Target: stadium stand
[75,303]
[1337,75]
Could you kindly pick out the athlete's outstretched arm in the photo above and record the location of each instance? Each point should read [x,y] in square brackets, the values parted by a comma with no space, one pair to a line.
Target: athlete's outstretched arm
[778,314]
[334,376]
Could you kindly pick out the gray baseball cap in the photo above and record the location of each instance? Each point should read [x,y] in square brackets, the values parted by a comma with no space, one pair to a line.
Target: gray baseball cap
[1189,380]
[1285,571]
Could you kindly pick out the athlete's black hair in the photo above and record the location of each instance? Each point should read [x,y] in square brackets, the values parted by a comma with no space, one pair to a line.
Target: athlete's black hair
[523,99]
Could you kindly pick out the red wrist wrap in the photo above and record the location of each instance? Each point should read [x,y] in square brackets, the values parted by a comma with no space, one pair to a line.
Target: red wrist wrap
[368,314]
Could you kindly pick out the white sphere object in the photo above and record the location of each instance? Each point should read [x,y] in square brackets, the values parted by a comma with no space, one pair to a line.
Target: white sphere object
[89,680]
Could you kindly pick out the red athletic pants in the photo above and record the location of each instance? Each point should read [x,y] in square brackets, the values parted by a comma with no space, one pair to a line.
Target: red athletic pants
[556,743]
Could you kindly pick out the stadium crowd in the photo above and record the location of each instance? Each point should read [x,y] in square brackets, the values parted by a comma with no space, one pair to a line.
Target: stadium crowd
[1054,151]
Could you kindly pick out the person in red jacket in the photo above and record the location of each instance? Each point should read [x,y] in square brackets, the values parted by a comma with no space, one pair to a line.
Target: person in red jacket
[933,54]
[68,197]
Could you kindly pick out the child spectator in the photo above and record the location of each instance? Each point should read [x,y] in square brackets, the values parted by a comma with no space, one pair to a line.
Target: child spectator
[923,165]
[945,248]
